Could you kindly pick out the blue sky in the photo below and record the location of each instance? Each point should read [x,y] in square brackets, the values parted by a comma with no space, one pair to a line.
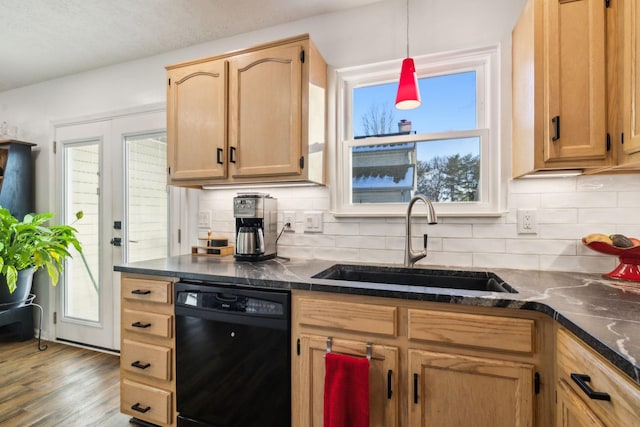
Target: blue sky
[448,103]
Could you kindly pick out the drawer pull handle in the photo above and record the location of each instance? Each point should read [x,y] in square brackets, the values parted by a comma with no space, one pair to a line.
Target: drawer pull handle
[139,365]
[141,292]
[139,408]
[140,325]
[582,380]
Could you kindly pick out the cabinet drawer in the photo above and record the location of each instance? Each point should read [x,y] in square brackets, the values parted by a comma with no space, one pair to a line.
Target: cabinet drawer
[144,402]
[146,323]
[575,358]
[146,359]
[147,290]
[371,318]
[475,330]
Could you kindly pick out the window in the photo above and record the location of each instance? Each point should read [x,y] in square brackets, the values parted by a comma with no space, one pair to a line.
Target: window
[448,149]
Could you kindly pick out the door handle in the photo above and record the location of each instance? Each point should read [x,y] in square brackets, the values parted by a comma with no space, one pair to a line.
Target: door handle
[232,152]
[219,156]
[116,241]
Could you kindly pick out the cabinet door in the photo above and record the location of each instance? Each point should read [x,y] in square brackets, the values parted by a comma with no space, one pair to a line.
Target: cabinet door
[450,390]
[383,380]
[575,109]
[197,121]
[265,90]
[631,82]
[572,411]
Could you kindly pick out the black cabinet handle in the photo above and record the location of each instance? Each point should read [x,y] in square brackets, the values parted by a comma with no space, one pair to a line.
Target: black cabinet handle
[141,292]
[139,408]
[219,156]
[141,325]
[232,152]
[389,388]
[582,380]
[415,388]
[556,128]
[139,365]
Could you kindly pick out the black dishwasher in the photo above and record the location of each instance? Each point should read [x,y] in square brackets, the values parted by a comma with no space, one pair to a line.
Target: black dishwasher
[233,358]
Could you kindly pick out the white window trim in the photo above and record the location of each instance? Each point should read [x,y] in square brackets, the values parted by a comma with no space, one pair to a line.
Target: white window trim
[486,63]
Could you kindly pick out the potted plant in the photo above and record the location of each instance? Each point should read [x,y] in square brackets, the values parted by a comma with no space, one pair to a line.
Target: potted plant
[28,245]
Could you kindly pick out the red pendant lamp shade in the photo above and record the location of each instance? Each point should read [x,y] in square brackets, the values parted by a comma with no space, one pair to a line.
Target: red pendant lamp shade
[408,96]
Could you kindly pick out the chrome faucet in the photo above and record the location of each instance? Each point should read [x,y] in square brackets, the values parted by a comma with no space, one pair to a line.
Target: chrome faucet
[411,257]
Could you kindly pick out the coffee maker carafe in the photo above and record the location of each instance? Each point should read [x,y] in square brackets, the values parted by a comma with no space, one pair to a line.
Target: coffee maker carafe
[256,226]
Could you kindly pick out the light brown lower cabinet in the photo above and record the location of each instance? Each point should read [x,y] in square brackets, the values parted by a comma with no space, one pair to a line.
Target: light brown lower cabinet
[383,379]
[451,390]
[591,391]
[147,349]
[572,411]
[430,366]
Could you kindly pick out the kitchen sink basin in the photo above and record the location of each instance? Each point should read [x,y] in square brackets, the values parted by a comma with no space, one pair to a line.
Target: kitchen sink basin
[450,279]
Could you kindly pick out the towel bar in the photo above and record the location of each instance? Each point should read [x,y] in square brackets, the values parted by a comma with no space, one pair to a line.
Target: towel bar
[369,348]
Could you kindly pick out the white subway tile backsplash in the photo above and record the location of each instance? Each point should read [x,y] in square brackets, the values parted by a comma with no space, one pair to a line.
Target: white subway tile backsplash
[516,261]
[473,245]
[629,199]
[567,209]
[365,242]
[541,246]
[576,263]
[578,200]
[619,216]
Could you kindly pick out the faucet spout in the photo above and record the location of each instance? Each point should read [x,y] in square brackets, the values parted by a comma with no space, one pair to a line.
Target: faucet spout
[411,256]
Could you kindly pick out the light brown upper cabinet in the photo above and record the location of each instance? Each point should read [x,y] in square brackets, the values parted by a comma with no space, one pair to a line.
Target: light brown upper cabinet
[563,85]
[256,115]
[630,155]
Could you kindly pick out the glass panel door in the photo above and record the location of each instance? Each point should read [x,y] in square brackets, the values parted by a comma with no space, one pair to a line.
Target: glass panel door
[147,197]
[82,181]
[114,171]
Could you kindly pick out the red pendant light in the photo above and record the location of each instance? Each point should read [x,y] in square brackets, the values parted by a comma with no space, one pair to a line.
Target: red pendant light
[408,96]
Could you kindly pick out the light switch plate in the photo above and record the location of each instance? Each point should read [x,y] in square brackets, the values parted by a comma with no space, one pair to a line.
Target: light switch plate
[313,222]
[204,219]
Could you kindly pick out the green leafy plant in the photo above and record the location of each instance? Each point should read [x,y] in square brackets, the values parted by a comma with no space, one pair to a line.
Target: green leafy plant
[30,243]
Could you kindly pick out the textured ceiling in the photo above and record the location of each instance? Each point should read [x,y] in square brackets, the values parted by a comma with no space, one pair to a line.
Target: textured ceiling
[45,39]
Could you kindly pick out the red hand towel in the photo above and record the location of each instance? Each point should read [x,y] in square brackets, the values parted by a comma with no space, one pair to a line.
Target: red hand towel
[346,391]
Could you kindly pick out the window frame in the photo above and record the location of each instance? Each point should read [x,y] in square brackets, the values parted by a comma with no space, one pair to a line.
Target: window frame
[485,62]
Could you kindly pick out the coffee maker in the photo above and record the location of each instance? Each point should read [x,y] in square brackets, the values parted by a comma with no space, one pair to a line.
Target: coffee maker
[256,217]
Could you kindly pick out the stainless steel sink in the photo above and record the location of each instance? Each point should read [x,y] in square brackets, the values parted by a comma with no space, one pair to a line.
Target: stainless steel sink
[451,279]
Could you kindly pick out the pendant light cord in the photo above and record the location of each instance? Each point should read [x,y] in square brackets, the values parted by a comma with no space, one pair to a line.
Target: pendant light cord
[407,26]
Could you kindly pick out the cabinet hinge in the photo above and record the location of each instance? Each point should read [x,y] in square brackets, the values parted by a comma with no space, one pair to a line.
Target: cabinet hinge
[302,162]
[55,317]
[536,383]
[607,3]
[608,142]
[298,347]
[302,56]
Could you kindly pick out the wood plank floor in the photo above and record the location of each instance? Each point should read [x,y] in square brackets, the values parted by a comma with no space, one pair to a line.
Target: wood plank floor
[61,386]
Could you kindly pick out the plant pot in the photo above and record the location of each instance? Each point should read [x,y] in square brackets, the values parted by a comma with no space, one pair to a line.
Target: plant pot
[23,288]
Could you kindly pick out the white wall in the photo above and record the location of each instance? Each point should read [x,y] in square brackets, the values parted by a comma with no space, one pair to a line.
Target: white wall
[568,208]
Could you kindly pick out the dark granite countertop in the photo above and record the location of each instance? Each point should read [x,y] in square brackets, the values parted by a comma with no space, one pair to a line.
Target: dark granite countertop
[605,314]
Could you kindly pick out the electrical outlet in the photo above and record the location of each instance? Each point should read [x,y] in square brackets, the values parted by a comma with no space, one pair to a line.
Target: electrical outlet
[204,219]
[527,221]
[289,217]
